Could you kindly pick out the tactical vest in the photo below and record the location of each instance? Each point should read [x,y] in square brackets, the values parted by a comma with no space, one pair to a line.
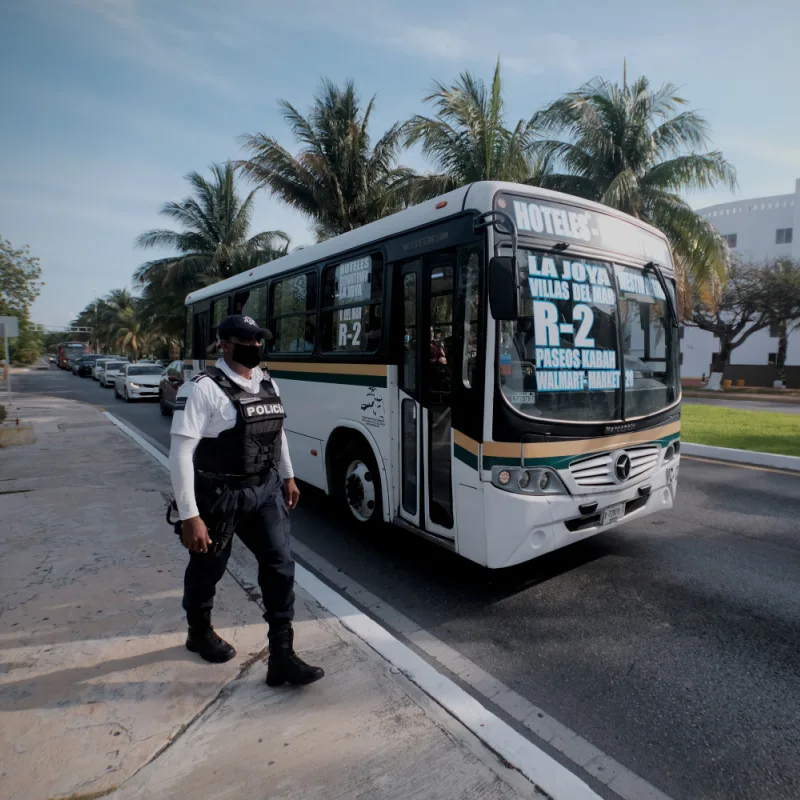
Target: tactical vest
[253,445]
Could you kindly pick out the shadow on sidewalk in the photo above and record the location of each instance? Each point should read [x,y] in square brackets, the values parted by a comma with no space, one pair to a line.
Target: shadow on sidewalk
[82,685]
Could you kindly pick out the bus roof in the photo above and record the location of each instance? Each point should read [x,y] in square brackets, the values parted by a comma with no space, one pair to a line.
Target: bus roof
[477,196]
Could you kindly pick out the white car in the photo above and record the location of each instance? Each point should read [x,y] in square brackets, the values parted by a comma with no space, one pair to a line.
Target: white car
[110,371]
[97,365]
[138,381]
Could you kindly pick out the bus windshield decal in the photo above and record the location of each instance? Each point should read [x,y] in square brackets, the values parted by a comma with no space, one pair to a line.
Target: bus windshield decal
[581,366]
[353,281]
[563,223]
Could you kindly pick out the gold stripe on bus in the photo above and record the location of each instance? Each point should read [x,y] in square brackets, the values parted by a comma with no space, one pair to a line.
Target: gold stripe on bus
[333,369]
[464,441]
[577,447]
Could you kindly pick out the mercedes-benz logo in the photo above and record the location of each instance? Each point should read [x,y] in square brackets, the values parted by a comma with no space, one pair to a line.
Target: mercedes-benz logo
[622,469]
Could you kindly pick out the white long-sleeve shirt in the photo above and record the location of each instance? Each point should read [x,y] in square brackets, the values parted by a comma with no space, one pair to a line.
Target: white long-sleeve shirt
[203,410]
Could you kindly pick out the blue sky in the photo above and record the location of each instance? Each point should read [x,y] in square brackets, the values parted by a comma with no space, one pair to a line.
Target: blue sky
[109,103]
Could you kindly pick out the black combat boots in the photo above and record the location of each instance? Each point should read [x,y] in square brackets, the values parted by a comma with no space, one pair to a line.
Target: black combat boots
[204,641]
[284,665]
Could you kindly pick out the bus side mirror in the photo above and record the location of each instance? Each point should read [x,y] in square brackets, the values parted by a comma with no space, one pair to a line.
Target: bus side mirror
[503,288]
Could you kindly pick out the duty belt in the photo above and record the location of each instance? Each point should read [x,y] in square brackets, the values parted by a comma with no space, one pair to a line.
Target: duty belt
[233,481]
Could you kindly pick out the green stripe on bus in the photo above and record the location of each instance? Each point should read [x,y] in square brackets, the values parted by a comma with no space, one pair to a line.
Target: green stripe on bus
[463,455]
[562,462]
[379,381]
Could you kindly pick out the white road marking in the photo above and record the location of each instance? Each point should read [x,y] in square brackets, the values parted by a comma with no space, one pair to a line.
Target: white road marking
[535,764]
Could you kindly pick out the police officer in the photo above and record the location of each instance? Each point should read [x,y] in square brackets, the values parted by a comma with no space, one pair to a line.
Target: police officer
[231,473]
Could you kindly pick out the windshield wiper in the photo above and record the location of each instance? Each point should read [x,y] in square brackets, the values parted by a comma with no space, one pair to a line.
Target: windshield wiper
[663,282]
[559,247]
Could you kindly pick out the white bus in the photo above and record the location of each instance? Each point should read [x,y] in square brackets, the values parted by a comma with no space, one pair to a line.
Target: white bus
[496,370]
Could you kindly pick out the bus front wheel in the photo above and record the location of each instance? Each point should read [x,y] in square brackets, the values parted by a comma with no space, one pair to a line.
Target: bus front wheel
[360,487]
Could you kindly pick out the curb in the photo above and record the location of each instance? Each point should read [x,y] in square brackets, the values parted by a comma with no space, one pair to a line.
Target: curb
[751,457]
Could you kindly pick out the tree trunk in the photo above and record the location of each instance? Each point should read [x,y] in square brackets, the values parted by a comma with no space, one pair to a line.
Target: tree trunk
[718,365]
[722,358]
[783,344]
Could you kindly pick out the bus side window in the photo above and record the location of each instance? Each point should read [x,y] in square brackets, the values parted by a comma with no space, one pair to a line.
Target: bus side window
[470,282]
[352,305]
[293,314]
[202,325]
[219,311]
[188,351]
[253,303]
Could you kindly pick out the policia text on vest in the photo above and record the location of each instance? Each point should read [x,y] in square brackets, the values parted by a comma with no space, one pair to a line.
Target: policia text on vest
[232,475]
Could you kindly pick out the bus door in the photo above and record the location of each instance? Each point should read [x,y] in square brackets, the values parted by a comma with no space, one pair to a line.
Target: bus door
[426,490]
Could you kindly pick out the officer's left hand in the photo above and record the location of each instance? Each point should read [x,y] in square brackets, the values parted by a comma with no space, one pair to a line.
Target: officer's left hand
[292,493]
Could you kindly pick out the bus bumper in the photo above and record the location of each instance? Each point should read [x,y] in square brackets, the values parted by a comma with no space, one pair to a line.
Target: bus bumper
[522,527]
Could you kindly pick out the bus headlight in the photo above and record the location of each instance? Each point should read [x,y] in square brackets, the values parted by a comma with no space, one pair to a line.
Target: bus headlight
[535,481]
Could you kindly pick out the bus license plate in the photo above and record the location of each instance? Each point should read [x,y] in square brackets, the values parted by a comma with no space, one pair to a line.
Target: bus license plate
[672,473]
[613,514]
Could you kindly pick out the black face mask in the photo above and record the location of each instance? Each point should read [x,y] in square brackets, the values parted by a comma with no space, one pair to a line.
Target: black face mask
[248,355]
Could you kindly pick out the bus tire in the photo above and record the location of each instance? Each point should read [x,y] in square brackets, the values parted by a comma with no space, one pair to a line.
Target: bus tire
[359,486]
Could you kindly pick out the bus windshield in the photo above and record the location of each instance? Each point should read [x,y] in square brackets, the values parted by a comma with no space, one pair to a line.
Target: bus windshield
[594,342]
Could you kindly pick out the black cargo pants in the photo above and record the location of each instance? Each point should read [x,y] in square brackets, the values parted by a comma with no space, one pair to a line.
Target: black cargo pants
[259,516]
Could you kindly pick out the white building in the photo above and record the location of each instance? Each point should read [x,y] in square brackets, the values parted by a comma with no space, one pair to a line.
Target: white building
[759,229]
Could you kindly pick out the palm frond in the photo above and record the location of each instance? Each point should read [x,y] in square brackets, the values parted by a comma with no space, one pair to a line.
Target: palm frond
[692,172]
[338,179]
[633,147]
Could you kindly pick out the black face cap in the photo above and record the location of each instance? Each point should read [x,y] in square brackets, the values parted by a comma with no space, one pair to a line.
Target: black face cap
[242,327]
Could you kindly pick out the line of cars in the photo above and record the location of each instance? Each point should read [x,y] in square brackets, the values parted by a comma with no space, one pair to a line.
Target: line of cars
[140,380]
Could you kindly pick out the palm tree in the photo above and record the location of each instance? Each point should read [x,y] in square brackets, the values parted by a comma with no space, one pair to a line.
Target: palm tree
[132,334]
[165,315]
[338,180]
[630,147]
[213,243]
[468,139]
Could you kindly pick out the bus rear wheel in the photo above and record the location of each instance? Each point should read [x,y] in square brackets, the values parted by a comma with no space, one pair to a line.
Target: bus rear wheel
[360,487]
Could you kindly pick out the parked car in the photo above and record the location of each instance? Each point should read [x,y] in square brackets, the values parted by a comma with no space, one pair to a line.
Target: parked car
[138,381]
[171,381]
[87,364]
[110,371]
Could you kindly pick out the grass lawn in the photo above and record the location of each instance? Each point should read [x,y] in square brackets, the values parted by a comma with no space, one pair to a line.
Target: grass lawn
[768,431]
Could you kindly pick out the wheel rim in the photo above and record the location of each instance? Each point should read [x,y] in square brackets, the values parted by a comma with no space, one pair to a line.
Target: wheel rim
[360,491]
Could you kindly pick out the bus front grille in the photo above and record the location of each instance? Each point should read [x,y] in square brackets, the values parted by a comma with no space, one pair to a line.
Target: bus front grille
[598,470]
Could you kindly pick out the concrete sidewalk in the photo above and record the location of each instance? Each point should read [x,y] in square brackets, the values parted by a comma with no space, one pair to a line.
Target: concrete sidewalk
[99,696]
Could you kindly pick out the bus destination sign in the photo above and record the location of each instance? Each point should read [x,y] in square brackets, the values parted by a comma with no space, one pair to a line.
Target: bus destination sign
[563,223]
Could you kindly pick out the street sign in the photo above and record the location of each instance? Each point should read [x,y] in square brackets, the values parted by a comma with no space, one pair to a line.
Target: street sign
[9,326]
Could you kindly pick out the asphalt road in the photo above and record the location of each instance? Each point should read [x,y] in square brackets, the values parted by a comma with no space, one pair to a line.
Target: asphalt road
[673,644]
